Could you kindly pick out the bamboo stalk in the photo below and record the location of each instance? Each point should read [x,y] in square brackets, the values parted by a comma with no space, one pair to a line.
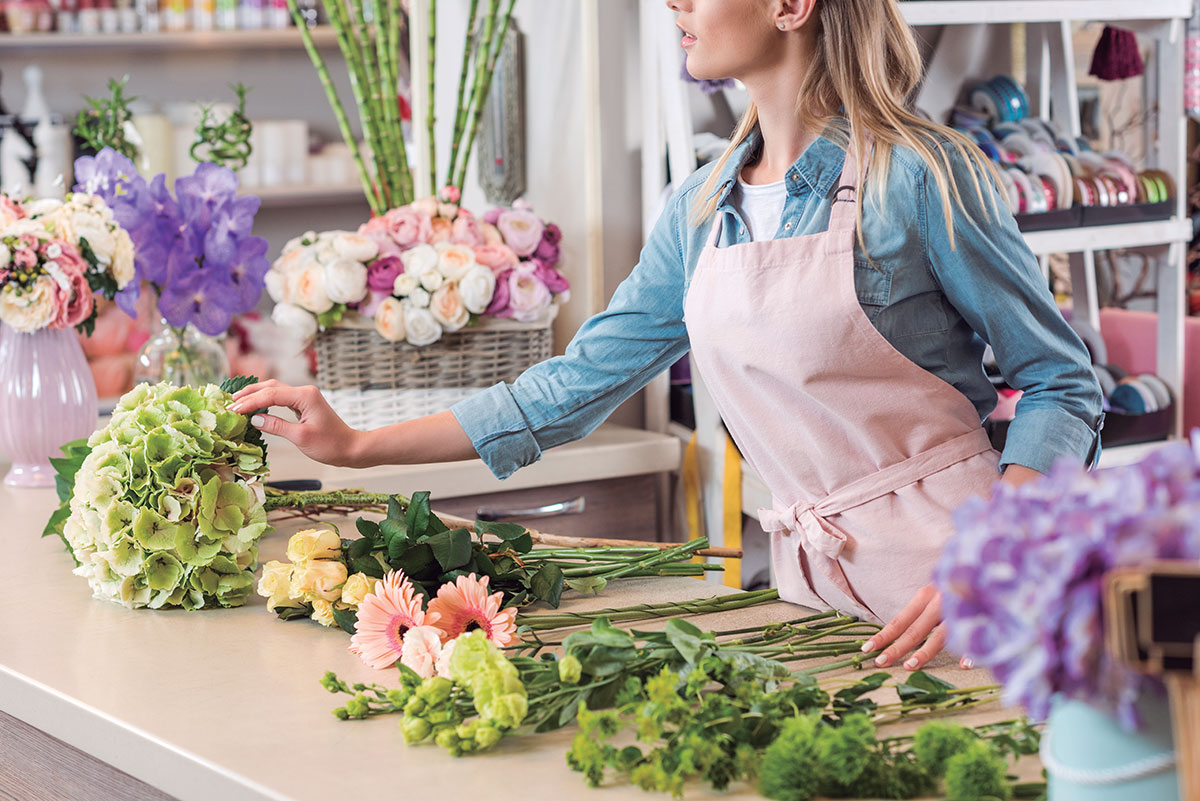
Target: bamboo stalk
[370,67]
[460,116]
[486,87]
[335,102]
[393,48]
[429,114]
[389,80]
[359,83]
[595,542]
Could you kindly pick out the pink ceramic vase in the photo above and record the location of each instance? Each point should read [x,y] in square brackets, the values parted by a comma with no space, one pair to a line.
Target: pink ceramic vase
[47,398]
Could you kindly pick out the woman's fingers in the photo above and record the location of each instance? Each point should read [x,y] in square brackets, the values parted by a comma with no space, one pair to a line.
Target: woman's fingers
[901,622]
[931,648]
[294,398]
[270,424]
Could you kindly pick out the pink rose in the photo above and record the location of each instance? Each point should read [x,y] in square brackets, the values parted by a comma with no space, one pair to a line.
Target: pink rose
[74,304]
[555,281]
[522,231]
[497,257]
[527,296]
[491,234]
[408,227]
[492,215]
[499,305]
[381,273]
[450,194]
[442,230]
[465,230]
[547,253]
[70,259]
[374,300]
[376,229]
[552,234]
[25,258]
[10,210]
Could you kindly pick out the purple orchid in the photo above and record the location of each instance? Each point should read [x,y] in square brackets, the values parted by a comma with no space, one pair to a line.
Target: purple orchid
[1022,581]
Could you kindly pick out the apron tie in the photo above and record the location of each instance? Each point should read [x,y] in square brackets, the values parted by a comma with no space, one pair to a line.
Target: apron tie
[803,518]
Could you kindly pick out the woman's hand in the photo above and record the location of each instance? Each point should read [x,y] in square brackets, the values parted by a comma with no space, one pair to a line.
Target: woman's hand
[920,621]
[320,434]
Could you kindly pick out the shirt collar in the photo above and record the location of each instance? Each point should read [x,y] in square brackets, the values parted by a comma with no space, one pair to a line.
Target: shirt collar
[817,169]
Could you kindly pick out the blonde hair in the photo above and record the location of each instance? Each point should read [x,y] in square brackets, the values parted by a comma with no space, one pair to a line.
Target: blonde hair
[867,61]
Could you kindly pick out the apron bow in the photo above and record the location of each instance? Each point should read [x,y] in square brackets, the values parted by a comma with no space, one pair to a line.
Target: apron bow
[803,518]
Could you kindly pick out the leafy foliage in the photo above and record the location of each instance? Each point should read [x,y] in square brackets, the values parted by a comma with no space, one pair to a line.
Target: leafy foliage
[103,123]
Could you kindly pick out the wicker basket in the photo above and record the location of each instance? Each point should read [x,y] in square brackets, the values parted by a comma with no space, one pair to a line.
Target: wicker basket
[371,382]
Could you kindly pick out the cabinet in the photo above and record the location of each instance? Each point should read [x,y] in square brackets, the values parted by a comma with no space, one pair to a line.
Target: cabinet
[970,38]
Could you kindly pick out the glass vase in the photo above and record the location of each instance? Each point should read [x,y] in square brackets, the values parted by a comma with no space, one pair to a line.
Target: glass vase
[181,356]
[47,399]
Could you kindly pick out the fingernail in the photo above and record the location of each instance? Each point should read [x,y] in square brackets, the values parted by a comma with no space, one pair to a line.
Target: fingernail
[912,663]
[868,646]
[234,407]
[881,660]
[257,420]
[968,663]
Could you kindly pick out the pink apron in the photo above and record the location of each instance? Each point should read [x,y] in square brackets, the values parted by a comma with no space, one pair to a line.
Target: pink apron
[865,453]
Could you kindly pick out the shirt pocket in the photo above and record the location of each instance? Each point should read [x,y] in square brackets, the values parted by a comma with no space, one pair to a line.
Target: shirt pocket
[873,285]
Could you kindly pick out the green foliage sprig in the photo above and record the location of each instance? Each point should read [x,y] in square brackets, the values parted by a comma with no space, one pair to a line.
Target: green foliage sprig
[103,123]
[224,142]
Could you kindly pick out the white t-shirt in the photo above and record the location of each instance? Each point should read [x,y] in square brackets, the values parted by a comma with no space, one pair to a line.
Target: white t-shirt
[761,207]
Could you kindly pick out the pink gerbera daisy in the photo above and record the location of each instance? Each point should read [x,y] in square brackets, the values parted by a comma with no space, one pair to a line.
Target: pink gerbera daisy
[465,606]
[384,617]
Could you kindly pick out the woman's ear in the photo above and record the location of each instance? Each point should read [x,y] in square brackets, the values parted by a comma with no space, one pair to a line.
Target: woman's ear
[791,15]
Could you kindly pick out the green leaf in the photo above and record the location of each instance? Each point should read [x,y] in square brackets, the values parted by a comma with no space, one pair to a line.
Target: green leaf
[452,549]
[294,613]
[332,316]
[393,530]
[922,688]
[67,466]
[395,509]
[359,548]
[484,565]
[367,564]
[368,528]
[501,531]
[416,519]
[547,584]
[686,638]
[346,619]
[55,525]
[238,383]
[588,584]
[418,563]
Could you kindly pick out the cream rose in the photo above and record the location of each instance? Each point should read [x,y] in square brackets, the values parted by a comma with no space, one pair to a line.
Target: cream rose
[314,543]
[420,326]
[123,268]
[455,261]
[427,205]
[293,318]
[276,584]
[307,288]
[405,284]
[34,308]
[357,587]
[277,286]
[476,288]
[419,297]
[419,259]
[432,280]
[390,320]
[345,280]
[323,612]
[420,650]
[447,308]
[355,246]
[318,578]
[491,234]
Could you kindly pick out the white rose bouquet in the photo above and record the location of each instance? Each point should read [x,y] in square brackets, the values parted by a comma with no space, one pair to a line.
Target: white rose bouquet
[421,270]
[164,506]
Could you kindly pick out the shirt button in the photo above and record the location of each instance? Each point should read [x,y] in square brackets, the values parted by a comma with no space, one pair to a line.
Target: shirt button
[795,176]
[742,230]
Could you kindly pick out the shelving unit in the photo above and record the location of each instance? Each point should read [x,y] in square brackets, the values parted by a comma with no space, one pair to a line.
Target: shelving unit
[973,43]
[292,196]
[277,39]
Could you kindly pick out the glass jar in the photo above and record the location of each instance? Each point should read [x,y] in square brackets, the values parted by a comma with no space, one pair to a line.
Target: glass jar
[181,356]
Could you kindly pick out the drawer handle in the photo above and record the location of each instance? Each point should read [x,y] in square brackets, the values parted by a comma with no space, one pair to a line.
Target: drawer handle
[572,507]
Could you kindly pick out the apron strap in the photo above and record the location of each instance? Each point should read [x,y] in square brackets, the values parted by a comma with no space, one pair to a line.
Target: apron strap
[844,216]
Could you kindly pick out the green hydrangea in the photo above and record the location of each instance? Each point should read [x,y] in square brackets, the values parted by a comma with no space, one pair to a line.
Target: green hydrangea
[493,681]
[167,509]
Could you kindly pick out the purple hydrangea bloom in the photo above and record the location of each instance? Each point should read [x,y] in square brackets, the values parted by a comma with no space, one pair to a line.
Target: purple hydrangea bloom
[1022,580]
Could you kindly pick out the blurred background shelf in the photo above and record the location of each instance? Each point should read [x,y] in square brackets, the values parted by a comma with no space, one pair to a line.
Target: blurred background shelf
[278,39]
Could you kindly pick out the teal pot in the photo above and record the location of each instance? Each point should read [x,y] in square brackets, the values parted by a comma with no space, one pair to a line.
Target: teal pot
[1089,757]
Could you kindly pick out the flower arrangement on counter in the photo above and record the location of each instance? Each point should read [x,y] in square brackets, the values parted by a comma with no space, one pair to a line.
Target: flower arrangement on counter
[421,270]
[56,256]
[164,505]
[1022,581]
[194,248]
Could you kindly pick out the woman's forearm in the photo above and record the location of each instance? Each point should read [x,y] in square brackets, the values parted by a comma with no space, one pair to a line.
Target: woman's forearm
[434,438]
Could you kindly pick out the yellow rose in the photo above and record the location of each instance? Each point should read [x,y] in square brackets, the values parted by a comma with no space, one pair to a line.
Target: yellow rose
[314,543]
[357,587]
[323,612]
[320,578]
[275,586]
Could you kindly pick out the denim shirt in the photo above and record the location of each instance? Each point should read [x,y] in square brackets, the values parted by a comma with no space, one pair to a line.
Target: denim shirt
[937,305]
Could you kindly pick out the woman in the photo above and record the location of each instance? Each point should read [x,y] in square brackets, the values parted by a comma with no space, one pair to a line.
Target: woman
[840,332]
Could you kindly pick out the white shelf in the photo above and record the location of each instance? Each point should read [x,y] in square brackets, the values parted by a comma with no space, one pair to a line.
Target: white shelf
[967,12]
[277,39]
[1109,237]
[291,196]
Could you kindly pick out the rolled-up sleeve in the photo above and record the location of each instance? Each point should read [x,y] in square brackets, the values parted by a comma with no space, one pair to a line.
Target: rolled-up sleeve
[612,356]
[993,279]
